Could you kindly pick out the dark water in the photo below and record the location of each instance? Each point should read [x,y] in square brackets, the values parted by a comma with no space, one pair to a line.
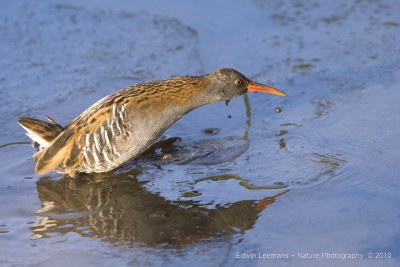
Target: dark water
[231,185]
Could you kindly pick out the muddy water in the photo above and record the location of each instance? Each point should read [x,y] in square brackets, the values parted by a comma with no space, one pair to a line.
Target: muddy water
[237,184]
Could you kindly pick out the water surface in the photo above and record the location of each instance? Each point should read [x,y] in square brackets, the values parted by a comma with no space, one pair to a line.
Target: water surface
[227,181]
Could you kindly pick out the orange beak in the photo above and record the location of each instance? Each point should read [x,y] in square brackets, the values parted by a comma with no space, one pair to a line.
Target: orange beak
[256,87]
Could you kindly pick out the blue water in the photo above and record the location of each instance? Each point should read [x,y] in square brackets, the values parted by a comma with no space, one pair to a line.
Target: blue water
[246,185]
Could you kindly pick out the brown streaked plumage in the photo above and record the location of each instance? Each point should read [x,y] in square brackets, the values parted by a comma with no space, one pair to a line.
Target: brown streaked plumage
[124,124]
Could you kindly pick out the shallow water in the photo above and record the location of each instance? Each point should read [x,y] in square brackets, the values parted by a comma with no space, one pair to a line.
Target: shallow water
[237,180]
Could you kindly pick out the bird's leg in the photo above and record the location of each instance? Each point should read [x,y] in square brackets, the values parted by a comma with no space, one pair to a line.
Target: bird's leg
[163,145]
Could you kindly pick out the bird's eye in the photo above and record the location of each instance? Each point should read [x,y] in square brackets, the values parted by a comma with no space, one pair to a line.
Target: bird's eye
[238,82]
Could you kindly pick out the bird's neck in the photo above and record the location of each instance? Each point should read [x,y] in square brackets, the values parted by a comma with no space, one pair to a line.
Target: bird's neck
[188,93]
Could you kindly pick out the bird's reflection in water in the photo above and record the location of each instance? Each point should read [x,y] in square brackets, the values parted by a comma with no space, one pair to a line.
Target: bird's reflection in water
[120,210]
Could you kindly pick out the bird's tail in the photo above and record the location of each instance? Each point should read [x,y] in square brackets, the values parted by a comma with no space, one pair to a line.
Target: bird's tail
[41,132]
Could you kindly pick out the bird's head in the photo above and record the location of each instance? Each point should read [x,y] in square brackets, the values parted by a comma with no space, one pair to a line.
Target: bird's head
[229,83]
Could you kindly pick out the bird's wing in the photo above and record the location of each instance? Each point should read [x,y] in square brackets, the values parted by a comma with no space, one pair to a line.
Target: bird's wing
[89,137]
